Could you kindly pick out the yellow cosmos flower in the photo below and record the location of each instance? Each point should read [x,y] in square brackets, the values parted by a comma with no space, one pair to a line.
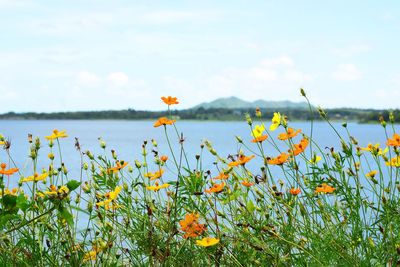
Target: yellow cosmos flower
[53,190]
[56,134]
[154,176]
[35,178]
[371,174]
[276,121]
[157,187]
[111,196]
[2,143]
[315,159]
[258,130]
[206,242]
[395,162]
[375,150]
[90,256]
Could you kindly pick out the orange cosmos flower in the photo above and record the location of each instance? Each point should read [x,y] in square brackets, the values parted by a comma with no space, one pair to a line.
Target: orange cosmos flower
[294,191]
[215,188]
[299,148]
[242,160]
[247,183]
[7,172]
[118,167]
[395,141]
[290,134]
[222,176]
[170,100]
[259,139]
[163,121]
[324,189]
[156,175]
[191,226]
[279,160]
[164,158]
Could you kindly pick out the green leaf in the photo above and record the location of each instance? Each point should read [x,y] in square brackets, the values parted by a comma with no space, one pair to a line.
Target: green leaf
[73,184]
[250,206]
[66,215]
[10,204]
[22,203]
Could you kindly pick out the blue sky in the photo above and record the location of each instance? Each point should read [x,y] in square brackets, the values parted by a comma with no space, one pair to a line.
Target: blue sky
[100,55]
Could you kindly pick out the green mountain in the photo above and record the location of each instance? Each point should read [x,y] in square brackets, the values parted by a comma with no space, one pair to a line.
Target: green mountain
[237,103]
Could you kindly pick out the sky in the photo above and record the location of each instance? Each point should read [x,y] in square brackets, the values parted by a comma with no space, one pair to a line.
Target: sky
[110,55]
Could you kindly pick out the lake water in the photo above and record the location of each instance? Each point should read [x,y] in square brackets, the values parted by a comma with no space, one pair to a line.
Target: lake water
[126,138]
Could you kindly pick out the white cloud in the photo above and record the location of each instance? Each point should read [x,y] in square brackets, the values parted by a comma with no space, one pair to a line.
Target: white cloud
[351,50]
[347,72]
[88,79]
[118,79]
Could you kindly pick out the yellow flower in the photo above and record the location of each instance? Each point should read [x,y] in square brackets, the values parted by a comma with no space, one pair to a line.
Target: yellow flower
[314,159]
[375,150]
[2,143]
[54,191]
[276,121]
[154,176]
[157,187]
[371,174]
[258,131]
[111,196]
[91,255]
[395,162]
[56,134]
[206,242]
[35,178]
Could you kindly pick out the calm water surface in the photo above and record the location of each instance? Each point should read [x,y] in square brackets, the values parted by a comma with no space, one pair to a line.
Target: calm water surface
[126,137]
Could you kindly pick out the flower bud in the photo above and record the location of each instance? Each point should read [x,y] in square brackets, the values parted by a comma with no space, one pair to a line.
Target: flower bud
[102,144]
[85,166]
[258,113]
[51,156]
[302,92]
[391,117]
[383,122]
[239,139]
[248,119]
[137,164]
[321,112]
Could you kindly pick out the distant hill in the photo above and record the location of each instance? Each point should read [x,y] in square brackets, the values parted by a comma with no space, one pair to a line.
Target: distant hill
[237,103]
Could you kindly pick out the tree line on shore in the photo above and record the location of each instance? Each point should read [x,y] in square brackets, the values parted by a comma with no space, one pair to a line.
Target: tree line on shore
[221,114]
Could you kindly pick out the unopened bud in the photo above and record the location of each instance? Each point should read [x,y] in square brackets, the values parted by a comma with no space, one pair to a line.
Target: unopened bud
[302,92]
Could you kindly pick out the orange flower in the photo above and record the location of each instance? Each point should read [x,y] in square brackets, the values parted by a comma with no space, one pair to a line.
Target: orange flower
[156,175]
[324,189]
[247,183]
[170,100]
[242,160]
[222,176]
[294,191]
[163,121]
[164,158]
[191,226]
[395,141]
[279,160]
[215,188]
[7,172]
[118,167]
[290,134]
[259,139]
[299,148]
